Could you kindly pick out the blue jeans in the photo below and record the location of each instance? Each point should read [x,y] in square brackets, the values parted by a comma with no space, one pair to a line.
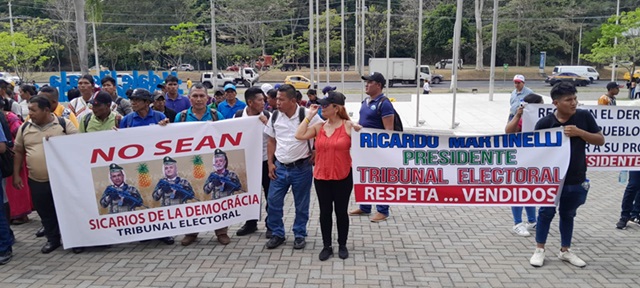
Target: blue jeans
[382,209]
[571,198]
[6,240]
[517,214]
[299,178]
[631,198]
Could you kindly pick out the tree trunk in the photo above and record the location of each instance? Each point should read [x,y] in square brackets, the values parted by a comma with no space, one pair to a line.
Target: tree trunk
[479,45]
[527,60]
[81,29]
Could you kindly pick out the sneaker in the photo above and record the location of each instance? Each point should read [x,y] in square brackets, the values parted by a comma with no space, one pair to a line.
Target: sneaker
[568,256]
[247,229]
[357,212]
[299,243]
[379,217]
[5,257]
[326,253]
[343,253]
[538,258]
[274,242]
[622,223]
[531,226]
[521,229]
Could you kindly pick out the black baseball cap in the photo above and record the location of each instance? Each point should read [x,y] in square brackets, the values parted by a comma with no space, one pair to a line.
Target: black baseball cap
[375,76]
[612,85]
[102,98]
[158,95]
[334,97]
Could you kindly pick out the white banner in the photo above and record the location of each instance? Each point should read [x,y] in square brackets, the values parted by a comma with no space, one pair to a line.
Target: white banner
[620,126]
[521,169]
[150,182]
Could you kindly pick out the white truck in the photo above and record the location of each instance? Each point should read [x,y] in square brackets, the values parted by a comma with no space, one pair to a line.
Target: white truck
[246,76]
[401,70]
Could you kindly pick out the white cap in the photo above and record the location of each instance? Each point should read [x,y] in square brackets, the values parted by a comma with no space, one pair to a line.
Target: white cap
[518,78]
[265,88]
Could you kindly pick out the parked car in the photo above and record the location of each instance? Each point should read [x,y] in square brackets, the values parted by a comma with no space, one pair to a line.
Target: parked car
[636,75]
[447,64]
[221,79]
[436,78]
[584,71]
[300,82]
[182,67]
[568,77]
[102,68]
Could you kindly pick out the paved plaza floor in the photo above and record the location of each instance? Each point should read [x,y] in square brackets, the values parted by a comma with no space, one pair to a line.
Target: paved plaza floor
[419,246]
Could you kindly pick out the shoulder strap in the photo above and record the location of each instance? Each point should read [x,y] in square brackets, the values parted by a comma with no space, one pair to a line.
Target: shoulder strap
[214,114]
[118,100]
[24,126]
[266,113]
[274,116]
[301,114]
[86,120]
[63,123]
[183,116]
[238,114]
[382,99]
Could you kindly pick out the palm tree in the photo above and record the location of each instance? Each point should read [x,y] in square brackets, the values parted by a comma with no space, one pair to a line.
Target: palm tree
[81,29]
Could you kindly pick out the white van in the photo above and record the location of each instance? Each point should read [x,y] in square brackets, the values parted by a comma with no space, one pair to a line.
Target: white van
[585,71]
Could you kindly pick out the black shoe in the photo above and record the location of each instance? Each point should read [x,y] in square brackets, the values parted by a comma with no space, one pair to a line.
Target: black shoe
[343,253]
[326,253]
[622,223]
[299,243]
[5,257]
[40,232]
[49,247]
[247,229]
[167,240]
[77,250]
[269,234]
[274,242]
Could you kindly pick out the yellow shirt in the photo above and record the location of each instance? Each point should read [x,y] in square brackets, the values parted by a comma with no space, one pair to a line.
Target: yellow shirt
[189,84]
[29,142]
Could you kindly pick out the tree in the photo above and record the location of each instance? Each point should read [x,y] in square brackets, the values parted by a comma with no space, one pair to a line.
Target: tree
[187,41]
[28,52]
[81,29]
[628,34]
[438,32]
[375,25]
[479,5]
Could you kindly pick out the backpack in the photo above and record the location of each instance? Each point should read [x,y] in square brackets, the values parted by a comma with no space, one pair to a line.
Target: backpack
[87,118]
[6,166]
[397,122]
[214,115]
[301,116]
[61,121]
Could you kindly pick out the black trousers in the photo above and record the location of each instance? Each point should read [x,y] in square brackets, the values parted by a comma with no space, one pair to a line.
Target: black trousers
[43,202]
[266,181]
[330,193]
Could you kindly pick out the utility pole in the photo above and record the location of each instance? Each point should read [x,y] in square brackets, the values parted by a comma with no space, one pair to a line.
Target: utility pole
[13,43]
[311,40]
[615,43]
[363,22]
[317,51]
[326,61]
[419,62]
[214,54]
[494,40]
[356,51]
[389,42]
[456,56]
[342,45]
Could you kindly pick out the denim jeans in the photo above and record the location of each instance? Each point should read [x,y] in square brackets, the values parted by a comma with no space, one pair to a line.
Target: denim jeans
[382,209]
[517,214]
[6,239]
[631,198]
[299,178]
[571,198]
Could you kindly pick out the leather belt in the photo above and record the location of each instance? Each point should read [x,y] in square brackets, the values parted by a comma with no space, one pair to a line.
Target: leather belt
[295,163]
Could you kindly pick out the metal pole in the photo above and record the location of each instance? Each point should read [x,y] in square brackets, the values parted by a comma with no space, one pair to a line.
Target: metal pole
[494,40]
[456,56]
[318,39]
[311,40]
[342,45]
[580,43]
[95,46]
[364,8]
[419,62]
[356,53]
[13,43]
[388,43]
[214,60]
[615,43]
[326,61]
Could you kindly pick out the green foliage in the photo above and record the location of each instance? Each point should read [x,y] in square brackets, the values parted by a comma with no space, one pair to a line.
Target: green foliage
[628,34]
[438,30]
[23,53]
[187,41]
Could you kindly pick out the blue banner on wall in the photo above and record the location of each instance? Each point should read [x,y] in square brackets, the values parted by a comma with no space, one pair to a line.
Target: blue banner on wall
[149,81]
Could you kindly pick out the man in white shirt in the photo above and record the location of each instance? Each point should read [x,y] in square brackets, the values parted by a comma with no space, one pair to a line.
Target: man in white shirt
[290,165]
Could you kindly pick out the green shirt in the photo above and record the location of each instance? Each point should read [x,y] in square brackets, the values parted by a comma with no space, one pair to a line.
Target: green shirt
[96,125]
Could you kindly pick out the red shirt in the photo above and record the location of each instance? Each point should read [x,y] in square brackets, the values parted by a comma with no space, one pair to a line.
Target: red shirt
[333,157]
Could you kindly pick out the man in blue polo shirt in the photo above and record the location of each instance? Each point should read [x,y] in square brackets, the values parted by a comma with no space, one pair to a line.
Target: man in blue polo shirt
[376,112]
[199,111]
[175,101]
[142,114]
[231,104]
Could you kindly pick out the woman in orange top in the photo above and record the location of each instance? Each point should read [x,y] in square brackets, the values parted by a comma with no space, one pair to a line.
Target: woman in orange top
[332,175]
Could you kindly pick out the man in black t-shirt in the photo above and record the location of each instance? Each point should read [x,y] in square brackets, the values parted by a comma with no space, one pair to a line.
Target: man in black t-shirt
[582,128]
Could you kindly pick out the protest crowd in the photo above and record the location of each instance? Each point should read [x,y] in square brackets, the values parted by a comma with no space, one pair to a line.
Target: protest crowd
[304,143]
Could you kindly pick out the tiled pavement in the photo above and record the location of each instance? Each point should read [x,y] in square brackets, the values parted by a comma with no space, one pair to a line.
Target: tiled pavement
[416,247]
